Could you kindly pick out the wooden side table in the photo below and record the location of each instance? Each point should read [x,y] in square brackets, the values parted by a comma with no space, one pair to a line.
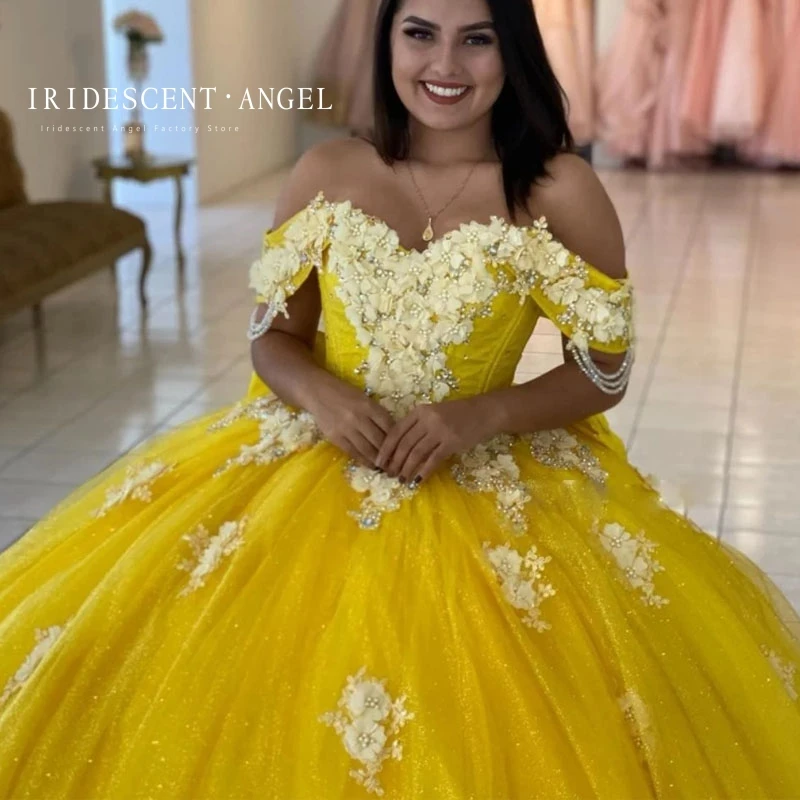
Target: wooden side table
[152,169]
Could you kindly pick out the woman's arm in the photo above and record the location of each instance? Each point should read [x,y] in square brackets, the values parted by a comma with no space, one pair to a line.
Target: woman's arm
[283,356]
[582,217]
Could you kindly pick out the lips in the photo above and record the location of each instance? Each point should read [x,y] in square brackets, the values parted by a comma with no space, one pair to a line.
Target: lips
[448,94]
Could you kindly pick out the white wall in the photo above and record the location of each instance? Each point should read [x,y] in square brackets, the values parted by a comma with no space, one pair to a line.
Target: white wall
[239,44]
[44,43]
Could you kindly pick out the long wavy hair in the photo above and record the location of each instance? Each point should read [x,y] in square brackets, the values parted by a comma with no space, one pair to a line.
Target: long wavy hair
[529,118]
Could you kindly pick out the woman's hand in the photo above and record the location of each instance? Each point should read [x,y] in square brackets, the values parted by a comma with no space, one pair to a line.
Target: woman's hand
[352,421]
[431,433]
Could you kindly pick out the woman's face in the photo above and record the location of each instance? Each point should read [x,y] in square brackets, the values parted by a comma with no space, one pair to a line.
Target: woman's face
[446,62]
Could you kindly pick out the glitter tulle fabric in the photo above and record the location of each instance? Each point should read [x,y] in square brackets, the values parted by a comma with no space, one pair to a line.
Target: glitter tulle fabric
[234,610]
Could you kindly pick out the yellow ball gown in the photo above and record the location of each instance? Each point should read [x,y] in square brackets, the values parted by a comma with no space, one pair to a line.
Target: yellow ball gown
[234,610]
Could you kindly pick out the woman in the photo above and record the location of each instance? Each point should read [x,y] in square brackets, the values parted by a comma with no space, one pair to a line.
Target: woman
[395,572]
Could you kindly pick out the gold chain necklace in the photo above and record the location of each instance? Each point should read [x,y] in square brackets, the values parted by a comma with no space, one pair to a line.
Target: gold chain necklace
[427,234]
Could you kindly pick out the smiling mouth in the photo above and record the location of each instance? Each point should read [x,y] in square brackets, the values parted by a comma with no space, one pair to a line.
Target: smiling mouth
[440,93]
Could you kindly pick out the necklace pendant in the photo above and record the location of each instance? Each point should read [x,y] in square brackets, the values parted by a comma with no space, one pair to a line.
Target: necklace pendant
[427,234]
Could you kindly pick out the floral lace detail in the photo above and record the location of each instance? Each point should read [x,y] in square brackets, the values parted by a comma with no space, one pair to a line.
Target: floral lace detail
[369,721]
[638,719]
[634,555]
[520,577]
[208,552]
[407,307]
[138,485]
[282,431]
[562,450]
[45,639]
[544,265]
[272,276]
[490,467]
[785,670]
[383,494]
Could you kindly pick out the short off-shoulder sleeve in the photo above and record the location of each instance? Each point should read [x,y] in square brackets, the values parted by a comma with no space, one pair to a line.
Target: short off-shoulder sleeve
[592,309]
[289,253]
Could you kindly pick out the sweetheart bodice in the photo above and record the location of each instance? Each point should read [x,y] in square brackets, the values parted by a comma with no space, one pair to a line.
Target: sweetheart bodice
[450,320]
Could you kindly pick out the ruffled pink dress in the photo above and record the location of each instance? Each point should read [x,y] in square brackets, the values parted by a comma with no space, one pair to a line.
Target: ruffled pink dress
[566,27]
[779,140]
[628,79]
[702,65]
[669,136]
[737,111]
[344,66]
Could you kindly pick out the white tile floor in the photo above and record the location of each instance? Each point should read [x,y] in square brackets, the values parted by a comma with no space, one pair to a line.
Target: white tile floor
[712,408]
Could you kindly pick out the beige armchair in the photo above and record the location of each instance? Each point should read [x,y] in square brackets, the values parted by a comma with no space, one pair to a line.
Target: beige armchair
[47,246]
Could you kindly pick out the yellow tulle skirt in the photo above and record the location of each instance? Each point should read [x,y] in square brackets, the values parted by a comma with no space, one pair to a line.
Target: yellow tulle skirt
[179,628]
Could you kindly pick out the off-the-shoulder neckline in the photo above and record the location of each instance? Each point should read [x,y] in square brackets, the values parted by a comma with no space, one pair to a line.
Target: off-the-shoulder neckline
[541,223]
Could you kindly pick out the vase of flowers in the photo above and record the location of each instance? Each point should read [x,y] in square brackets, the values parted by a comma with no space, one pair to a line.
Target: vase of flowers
[140,30]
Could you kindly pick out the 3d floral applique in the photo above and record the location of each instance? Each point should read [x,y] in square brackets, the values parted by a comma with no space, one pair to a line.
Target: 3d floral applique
[282,431]
[634,556]
[208,552]
[383,494]
[274,274]
[369,722]
[45,639]
[406,307]
[560,449]
[785,670]
[521,579]
[138,485]
[490,467]
[638,719]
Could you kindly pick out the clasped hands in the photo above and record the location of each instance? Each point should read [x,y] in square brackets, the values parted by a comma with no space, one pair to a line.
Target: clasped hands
[409,449]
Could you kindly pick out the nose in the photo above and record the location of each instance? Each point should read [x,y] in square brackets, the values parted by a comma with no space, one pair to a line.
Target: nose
[445,61]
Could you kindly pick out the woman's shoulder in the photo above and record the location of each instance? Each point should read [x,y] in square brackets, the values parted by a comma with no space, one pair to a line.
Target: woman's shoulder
[329,167]
[580,213]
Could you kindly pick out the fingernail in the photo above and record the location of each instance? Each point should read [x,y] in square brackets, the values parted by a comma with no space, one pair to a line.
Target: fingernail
[417,481]
[401,479]
[378,469]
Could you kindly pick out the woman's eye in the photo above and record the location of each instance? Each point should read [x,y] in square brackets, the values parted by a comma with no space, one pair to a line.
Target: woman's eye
[417,33]
[479,38]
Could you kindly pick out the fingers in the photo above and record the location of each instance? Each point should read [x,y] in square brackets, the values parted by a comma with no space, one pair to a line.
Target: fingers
[429,466]
[374,434]
[395,435]
[417,456]
[382,418]
[367,451]
[412,437]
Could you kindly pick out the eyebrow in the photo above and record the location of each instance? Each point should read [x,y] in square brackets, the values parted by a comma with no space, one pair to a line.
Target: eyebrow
[433,26]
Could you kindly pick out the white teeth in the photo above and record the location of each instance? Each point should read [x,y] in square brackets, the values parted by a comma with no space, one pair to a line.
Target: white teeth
[443,92]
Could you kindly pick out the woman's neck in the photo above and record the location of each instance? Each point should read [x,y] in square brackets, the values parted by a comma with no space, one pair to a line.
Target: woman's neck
[443,148]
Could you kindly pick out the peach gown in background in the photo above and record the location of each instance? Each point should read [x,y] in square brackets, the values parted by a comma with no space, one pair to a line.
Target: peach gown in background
[344,66]
[702,65]
[669,137]
[779,140]
[737,110]
[628,77]
[567,30]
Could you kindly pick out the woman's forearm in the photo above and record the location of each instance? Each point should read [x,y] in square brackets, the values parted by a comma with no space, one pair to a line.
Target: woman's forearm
[555,399]
[287,365]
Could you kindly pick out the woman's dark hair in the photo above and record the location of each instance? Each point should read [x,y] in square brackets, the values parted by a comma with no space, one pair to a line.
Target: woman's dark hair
[529,118]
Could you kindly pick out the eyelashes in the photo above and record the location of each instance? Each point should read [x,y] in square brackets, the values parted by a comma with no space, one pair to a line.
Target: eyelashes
[423,34]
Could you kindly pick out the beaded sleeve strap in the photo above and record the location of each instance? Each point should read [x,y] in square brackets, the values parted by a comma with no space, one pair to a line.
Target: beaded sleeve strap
[608,382]
[289,254]
[258,327]
[593,310]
